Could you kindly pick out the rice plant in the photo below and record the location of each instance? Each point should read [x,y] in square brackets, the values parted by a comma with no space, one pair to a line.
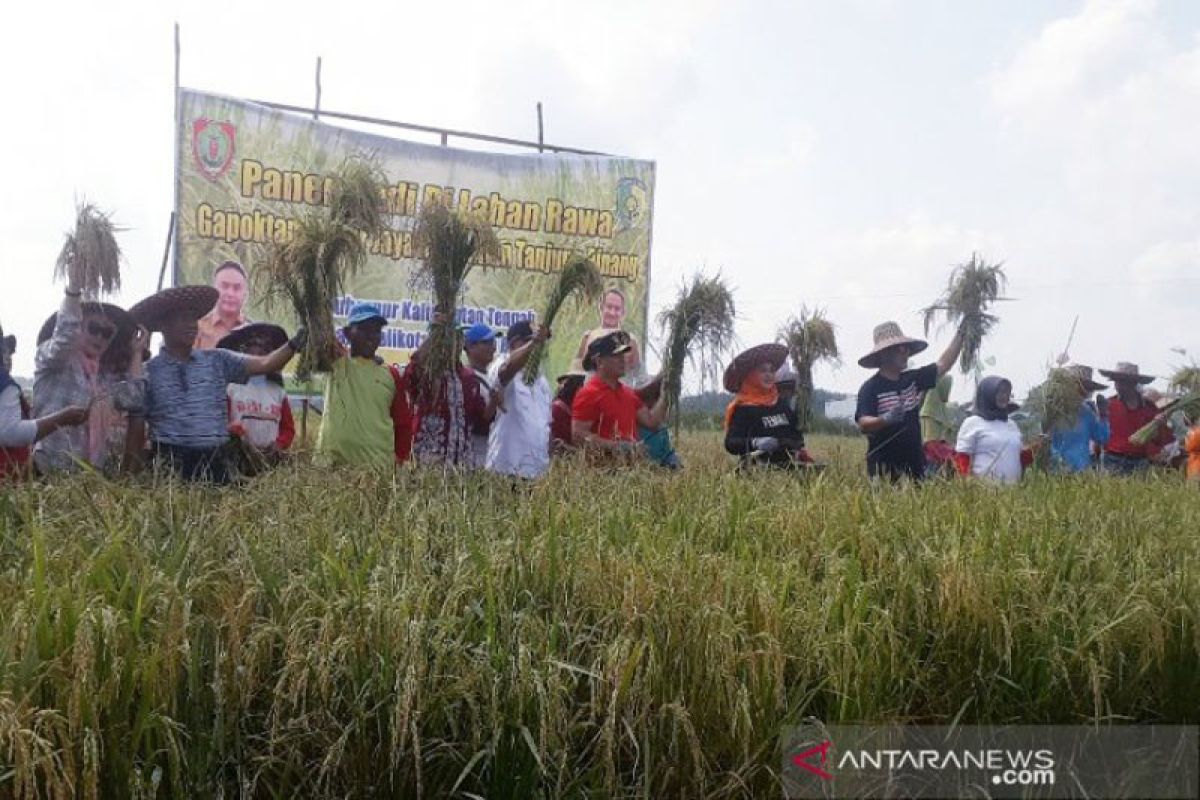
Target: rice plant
[90,258]
[810,339]
[451,242]
[580,281]
[972,289]
[411,633]
[310,271]
[698,329]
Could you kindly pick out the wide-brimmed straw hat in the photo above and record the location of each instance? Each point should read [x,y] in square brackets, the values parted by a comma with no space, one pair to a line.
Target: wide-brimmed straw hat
[1127,371]
[774,354]
[275,336]
[1084,376]
[118,316]
[192,302]
[888,335]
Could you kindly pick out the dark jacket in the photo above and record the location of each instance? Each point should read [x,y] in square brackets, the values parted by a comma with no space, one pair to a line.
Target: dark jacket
[751,422]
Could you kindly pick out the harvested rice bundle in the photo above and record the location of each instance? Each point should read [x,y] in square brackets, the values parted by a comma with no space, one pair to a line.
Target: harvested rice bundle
[1185,381]
[699,329]
[1188,405]
[90,259]
[329,246]
[810,339]
[580,280]
[1059,400]
[450,241]
[973,287]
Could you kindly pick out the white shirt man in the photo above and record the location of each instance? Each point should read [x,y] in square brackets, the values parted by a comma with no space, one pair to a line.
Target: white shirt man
[519,440]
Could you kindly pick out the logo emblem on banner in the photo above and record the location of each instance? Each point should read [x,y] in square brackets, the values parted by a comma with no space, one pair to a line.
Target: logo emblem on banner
[212,145]
[632,207]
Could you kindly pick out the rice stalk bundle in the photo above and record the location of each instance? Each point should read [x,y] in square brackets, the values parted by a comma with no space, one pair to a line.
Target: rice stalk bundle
[450,242]
[972,289]
[90,258]
[310,271]
[579,279]
[1188,405]
[1059,400]
[699,329]
[810,339]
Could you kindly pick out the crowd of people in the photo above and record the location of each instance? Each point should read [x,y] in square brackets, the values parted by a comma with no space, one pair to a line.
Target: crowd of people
[211,404]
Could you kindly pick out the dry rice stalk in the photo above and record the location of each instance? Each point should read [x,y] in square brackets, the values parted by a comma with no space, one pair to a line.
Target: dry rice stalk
[1059,400]
[699,329]
[310,270]
[810,339]
[579,279]
[90,259]
[449,241]
[971,290]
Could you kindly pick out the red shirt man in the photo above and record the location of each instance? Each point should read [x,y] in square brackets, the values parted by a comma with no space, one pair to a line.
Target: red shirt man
[606,413]
[1129,411]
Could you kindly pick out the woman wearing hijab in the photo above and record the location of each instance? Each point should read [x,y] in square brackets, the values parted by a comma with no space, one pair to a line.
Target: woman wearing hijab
[759,426]
[989,443]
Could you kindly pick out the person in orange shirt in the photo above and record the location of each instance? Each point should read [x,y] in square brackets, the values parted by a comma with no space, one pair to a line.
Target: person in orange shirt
[1191,446]
[233,286]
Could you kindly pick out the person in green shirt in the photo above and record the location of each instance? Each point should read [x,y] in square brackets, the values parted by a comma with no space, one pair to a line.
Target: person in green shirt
[366,419]
[938,428]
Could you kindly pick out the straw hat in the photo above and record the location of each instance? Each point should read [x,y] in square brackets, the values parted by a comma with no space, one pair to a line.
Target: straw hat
[275,336]
[190,301]
[1127,371]
[745,361]
[1084,376]
[888,334]
[116,315]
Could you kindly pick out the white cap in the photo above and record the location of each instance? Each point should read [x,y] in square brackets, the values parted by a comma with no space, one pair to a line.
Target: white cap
[785,374]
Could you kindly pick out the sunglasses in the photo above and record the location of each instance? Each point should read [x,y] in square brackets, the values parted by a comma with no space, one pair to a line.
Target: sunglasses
[101,331]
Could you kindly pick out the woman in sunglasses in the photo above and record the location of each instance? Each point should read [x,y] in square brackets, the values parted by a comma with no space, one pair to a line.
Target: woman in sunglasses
[85,351]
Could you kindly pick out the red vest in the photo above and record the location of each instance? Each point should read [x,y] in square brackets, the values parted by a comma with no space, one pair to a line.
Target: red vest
[14,460]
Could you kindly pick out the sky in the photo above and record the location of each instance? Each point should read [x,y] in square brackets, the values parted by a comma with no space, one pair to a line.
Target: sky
[843,155]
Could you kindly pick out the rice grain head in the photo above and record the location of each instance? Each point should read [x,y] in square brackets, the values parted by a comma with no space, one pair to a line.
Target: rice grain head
[698,329]
[451,243]
[972,289]
[90,258]
[810,340]
[309,272]
[579,279]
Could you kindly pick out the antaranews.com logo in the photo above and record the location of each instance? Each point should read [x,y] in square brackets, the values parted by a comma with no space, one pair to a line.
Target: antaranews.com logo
[1006,767]
[993,761]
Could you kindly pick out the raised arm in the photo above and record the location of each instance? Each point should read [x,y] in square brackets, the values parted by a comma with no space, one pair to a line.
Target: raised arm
[946,362]
[277,359]
[518,358]
[67,327]
[653,417]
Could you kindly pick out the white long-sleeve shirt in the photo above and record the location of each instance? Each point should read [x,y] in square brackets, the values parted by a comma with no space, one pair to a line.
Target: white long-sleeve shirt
[14,431]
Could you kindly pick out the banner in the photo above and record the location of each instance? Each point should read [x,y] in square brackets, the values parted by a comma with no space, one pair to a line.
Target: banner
[246,173]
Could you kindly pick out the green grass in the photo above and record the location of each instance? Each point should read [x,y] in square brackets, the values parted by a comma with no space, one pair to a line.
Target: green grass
[605,635]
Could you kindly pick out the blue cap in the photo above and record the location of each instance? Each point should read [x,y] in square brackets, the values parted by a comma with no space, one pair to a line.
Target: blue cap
[480,332]
[364,312]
